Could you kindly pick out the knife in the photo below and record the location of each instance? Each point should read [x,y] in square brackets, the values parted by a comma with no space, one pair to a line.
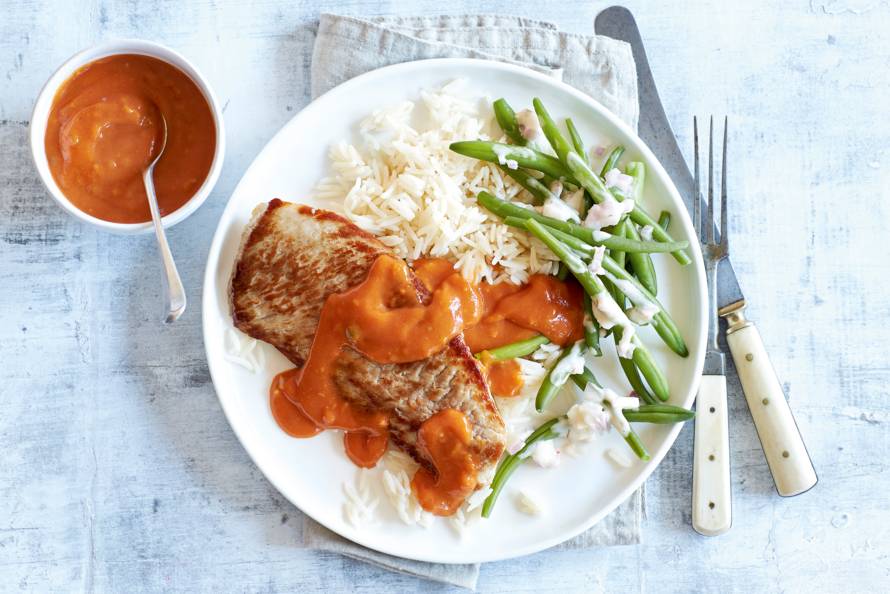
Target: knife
[787,456]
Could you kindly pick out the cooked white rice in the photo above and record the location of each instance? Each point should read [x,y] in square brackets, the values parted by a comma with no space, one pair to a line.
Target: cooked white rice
[403,184]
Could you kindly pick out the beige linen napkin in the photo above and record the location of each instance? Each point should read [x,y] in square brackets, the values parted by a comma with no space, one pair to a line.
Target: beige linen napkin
[599,66]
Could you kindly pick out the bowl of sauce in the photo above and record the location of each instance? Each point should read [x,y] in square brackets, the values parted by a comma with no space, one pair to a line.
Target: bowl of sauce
[98,122]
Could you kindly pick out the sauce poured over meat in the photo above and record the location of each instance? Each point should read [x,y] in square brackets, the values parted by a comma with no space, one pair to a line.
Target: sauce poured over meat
[385,319]
[379,350]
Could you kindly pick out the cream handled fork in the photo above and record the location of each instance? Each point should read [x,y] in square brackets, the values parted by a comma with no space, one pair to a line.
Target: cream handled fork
[711,494]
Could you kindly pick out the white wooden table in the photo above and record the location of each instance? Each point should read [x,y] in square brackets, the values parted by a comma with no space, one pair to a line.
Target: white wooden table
[118,471]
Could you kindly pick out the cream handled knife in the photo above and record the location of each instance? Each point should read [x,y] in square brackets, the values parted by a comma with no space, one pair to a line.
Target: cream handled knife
[788,459]
[783,446]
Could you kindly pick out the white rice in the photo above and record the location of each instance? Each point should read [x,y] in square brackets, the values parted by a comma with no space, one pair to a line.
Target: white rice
[403,184]
[397,470]
[360,505]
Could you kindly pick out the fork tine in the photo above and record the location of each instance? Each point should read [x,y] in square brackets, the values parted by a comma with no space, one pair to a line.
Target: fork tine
[709,223]
[724,240]
[696,199]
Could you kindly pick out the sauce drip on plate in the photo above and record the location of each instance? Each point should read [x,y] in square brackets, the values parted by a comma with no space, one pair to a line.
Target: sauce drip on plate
[104,129]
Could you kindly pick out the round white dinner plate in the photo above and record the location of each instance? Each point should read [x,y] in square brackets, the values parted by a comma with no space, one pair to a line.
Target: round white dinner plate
[311,473]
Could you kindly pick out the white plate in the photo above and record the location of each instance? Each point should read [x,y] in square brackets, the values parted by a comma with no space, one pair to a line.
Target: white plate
[311,472]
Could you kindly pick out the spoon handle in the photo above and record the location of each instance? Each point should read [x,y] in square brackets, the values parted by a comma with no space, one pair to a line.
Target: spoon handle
[174,292]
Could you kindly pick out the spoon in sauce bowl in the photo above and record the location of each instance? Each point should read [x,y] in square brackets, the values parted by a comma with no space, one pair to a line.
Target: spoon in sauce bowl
[173,289]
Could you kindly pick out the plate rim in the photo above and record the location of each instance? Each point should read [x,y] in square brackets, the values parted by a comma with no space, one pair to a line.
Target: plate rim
[209,288]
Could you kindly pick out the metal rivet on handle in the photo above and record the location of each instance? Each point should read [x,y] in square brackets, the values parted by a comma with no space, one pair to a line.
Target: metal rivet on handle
[749,357]
[711,457]
[785,454]
[765,401]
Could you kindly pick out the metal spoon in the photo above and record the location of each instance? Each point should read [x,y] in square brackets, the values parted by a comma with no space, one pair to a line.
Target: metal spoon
[174,293]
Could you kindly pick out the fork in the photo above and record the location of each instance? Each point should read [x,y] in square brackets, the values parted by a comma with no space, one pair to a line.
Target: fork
[711,493]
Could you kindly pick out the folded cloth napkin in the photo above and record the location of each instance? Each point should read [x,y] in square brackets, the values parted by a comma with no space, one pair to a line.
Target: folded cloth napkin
[599,66]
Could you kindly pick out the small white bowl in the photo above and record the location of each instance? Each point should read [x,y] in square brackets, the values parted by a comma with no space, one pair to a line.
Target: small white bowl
[40,116]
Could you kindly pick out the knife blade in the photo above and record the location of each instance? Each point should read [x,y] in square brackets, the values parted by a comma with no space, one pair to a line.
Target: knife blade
[654,128]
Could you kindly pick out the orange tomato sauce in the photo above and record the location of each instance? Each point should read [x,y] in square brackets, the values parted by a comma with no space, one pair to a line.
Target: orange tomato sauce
[386,319]
[504,377]
[510,313]
[104,129]
[445,438]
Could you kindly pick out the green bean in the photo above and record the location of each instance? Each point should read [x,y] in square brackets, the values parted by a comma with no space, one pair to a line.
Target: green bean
[577,141]
[505,209]
[506,118]
[591,182]
[660,414]
[585,377]
[618,255]
[577,244]
[632,439]
[562,272]
[548,389]
[636,382]
[636,444]
[538,190]
[613,242]
[560,145]
[551,385]
[549,180]
[647,366]
[578,144]
[589,281]
[621,228]
[664,220]
[585,206]
[529,158]
[642,263]
[620,258]
[520,348]
[591,328]
[612,160]
[662,323]
[511,462]
[650,370]
[629,367]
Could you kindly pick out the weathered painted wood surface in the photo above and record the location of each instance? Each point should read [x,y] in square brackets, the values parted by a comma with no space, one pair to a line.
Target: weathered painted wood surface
[120,473]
